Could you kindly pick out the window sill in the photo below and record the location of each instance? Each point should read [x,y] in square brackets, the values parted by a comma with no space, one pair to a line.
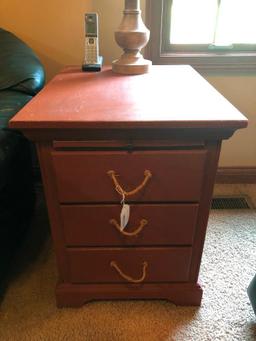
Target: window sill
[209,62]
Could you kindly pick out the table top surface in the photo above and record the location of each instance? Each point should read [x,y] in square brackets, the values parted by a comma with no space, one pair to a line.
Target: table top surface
[166,97]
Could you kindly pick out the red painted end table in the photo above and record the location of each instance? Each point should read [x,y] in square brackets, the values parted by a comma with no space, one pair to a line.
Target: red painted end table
[152,141]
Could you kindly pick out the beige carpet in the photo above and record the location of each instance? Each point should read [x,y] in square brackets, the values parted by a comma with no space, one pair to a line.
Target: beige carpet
[28,312]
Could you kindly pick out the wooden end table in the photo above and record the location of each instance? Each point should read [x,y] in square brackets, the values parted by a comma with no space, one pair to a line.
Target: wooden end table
[150,141]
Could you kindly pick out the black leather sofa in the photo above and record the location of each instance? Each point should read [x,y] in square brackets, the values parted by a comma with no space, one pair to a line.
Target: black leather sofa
[21,77]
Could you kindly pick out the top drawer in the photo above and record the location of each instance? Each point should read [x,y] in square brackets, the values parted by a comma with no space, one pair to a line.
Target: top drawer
[83,176]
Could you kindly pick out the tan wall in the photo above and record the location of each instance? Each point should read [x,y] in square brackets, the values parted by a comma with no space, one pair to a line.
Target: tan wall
[110,15]
[54,29]
[240,150]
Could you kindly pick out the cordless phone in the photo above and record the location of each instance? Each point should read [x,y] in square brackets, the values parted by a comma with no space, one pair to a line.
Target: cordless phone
[92,60]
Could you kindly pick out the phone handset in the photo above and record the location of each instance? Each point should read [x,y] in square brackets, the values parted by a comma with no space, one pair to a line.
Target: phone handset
[92,60]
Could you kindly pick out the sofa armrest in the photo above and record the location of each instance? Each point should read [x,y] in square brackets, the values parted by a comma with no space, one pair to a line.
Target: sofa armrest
[20,68]
[10,103]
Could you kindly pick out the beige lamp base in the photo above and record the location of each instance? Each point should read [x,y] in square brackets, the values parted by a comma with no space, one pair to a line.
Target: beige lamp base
[131,67]
[132,35]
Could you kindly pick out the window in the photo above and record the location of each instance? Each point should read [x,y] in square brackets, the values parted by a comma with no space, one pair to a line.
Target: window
[208,34]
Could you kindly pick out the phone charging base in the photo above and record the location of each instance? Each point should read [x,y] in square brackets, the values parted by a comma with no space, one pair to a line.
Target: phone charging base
[93,67]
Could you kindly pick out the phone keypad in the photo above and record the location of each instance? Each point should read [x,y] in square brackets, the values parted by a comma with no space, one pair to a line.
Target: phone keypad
[91,51]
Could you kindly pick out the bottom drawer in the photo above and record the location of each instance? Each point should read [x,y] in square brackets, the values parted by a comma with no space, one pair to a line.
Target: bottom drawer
[134,265]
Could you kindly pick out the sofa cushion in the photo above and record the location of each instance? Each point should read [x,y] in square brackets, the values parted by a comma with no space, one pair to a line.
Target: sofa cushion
[20,69]
[10,103]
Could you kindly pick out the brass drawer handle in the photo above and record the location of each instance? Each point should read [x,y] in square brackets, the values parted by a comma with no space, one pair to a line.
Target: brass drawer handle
[143,223]
[128,278]
[121,191]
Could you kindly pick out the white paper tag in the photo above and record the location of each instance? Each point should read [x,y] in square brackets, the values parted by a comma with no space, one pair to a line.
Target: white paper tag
[124,216]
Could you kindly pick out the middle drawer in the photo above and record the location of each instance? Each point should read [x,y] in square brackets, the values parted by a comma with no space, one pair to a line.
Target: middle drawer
[98,225]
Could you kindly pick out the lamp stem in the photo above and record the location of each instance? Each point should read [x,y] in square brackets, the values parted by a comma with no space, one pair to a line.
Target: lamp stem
[132,4]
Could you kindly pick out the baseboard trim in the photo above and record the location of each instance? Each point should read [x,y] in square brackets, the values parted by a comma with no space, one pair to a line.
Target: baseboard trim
[236,175]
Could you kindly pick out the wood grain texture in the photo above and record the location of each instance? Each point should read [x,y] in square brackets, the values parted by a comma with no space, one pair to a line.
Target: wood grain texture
[167,97]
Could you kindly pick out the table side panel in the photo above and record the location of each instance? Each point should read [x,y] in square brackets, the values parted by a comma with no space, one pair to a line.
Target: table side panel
[213,152]
[50,191]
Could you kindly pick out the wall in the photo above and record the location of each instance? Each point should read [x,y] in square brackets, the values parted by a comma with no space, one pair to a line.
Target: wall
[240,150]
[110,16]
[54,29]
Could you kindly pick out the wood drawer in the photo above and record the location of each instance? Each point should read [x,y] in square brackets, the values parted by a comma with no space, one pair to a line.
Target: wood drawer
[82,176]
[156,264]
[93,225]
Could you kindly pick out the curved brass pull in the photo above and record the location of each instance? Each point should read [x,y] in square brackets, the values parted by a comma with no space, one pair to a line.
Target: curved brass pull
[128,278]
[143,222]
[121,191]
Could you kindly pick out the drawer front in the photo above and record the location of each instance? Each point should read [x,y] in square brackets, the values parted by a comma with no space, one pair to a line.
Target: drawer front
[131,265]
[84,176]
[96,225]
